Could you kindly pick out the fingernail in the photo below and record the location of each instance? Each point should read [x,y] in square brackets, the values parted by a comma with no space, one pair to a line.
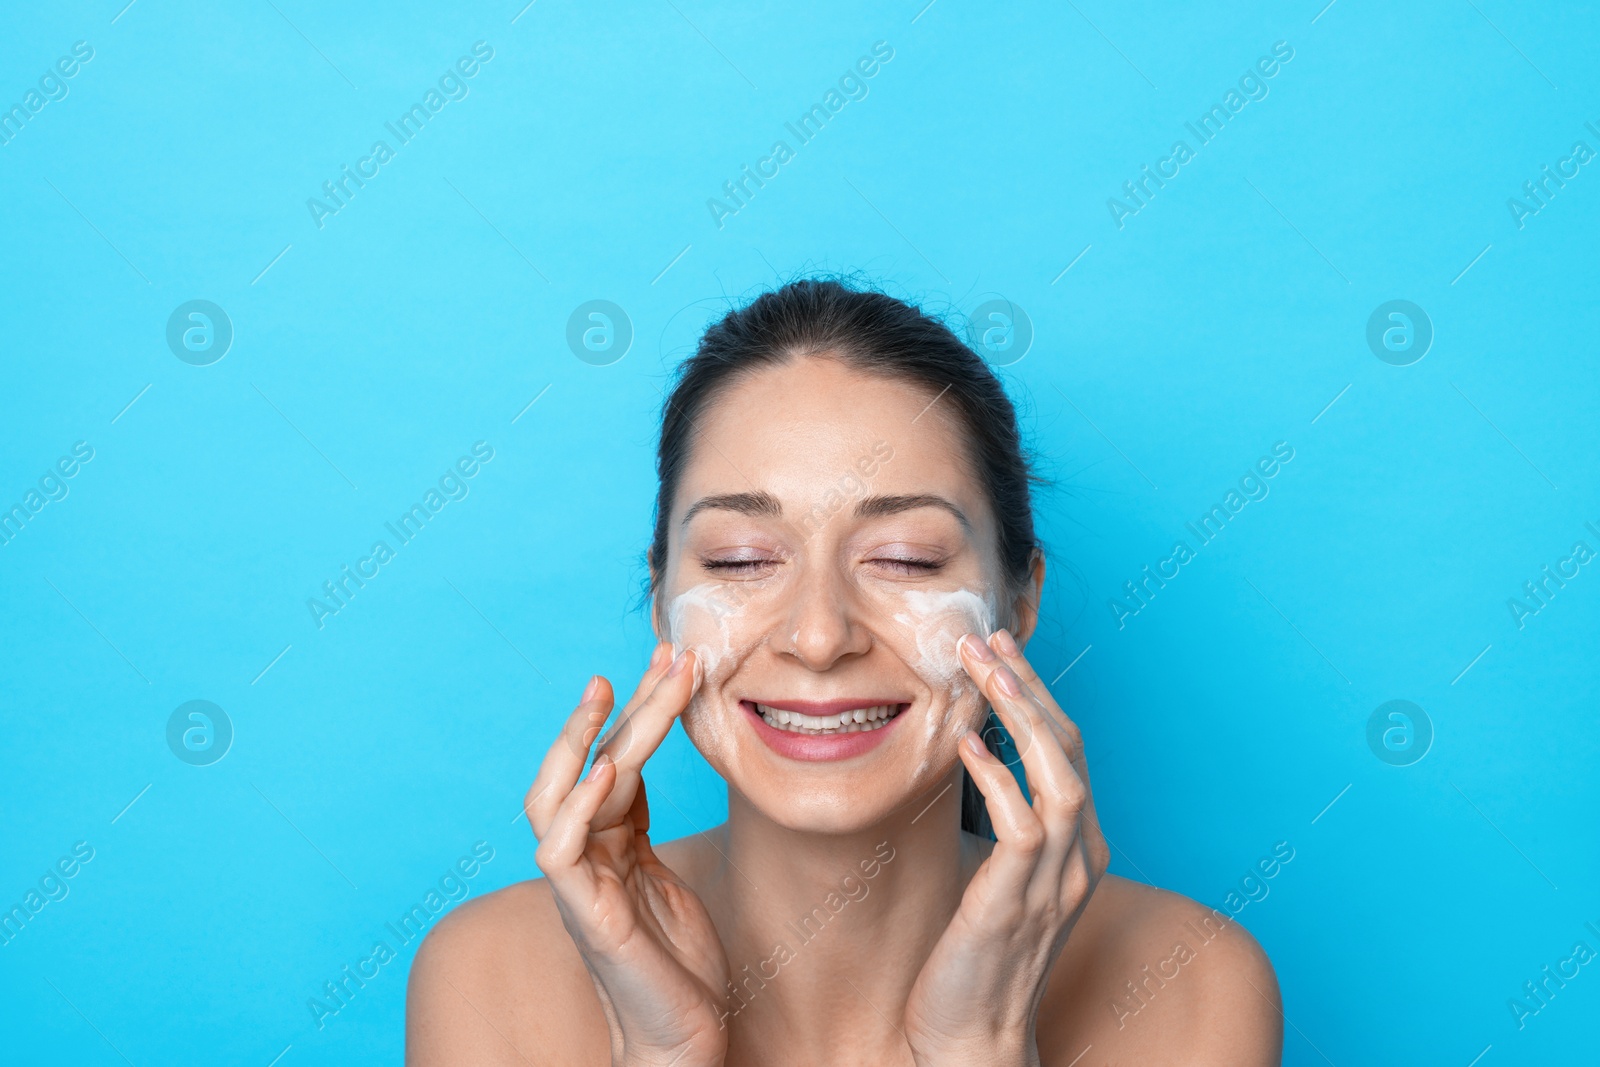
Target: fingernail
[979,651]
[659,655]
[1007,644]
[600,761]
[590,690]
[1007,682]
[678,664]
[975,743]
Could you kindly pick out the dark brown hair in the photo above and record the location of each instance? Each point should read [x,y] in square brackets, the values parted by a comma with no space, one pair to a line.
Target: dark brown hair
[871,332]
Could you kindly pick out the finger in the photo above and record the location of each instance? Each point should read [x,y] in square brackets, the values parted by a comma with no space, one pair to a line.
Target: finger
[639,813]
[568,834]
[660,660]
[643,726]
[1019,834]
[557,775]
[646,727]
[563,764]
[1050,772]
[1059,792]
[639,816]
[1072,739]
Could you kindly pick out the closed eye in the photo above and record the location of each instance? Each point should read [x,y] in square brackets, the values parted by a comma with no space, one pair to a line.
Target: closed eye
[734,566]
[905,565]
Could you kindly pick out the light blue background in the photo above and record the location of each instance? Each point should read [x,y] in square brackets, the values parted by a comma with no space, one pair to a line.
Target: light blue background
[427,314]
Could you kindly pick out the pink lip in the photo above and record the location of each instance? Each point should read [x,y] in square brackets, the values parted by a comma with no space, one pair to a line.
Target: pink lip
[821,747]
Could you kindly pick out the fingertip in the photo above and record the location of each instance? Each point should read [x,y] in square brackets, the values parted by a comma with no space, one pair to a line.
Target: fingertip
[977,649]
[591,690]
[1005,644]
[975,745]
[598,768]
[679,663]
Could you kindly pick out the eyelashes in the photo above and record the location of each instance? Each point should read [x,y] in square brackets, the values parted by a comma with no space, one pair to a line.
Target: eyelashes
[735,566]
[904,565]
[895,564]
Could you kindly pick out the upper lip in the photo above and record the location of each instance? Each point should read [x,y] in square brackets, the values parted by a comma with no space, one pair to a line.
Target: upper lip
[828,707]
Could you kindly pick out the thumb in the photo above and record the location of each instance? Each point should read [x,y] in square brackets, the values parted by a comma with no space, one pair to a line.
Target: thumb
[639,810]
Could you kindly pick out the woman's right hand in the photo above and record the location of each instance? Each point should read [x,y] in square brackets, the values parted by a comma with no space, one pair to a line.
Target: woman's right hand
[645,937]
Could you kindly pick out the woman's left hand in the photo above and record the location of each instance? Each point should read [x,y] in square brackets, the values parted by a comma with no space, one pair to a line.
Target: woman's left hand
[978,995]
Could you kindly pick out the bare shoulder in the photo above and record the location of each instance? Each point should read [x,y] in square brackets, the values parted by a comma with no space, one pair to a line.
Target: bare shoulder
[1152,977]
[498,980]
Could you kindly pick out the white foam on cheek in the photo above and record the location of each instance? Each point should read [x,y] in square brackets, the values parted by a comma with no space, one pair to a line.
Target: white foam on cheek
[699,619]
[938,619]
[708,620]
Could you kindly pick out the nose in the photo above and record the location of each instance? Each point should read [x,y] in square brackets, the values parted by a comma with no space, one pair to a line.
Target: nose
[824,626]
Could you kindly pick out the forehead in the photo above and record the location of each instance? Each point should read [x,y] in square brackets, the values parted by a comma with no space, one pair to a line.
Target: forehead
[797,429]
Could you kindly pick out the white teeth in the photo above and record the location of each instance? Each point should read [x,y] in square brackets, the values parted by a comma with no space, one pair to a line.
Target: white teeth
[857,720]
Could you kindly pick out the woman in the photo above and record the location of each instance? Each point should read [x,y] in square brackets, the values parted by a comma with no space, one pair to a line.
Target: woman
[843,575]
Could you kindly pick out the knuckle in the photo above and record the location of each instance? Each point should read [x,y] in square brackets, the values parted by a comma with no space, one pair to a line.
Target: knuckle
[1030,837]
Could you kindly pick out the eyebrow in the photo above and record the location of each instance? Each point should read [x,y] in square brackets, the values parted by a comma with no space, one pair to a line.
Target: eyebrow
[758,503]
[872,507]
[876,506]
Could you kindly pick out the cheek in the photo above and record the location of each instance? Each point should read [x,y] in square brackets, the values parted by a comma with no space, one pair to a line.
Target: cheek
[716,622]
[927,626]
[721,624]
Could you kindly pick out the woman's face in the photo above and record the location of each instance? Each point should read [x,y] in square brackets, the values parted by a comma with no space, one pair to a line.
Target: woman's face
[827,548]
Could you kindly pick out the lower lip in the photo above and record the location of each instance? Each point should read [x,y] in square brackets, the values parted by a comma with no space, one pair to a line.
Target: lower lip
[817,747]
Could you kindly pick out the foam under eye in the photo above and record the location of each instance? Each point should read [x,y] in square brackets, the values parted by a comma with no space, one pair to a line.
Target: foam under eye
[938,619]
[723,625]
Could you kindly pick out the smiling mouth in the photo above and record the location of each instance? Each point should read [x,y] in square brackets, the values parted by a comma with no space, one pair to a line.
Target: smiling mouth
[848,721]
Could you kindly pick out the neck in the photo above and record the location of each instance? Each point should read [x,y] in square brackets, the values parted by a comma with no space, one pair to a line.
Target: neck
[834,926]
